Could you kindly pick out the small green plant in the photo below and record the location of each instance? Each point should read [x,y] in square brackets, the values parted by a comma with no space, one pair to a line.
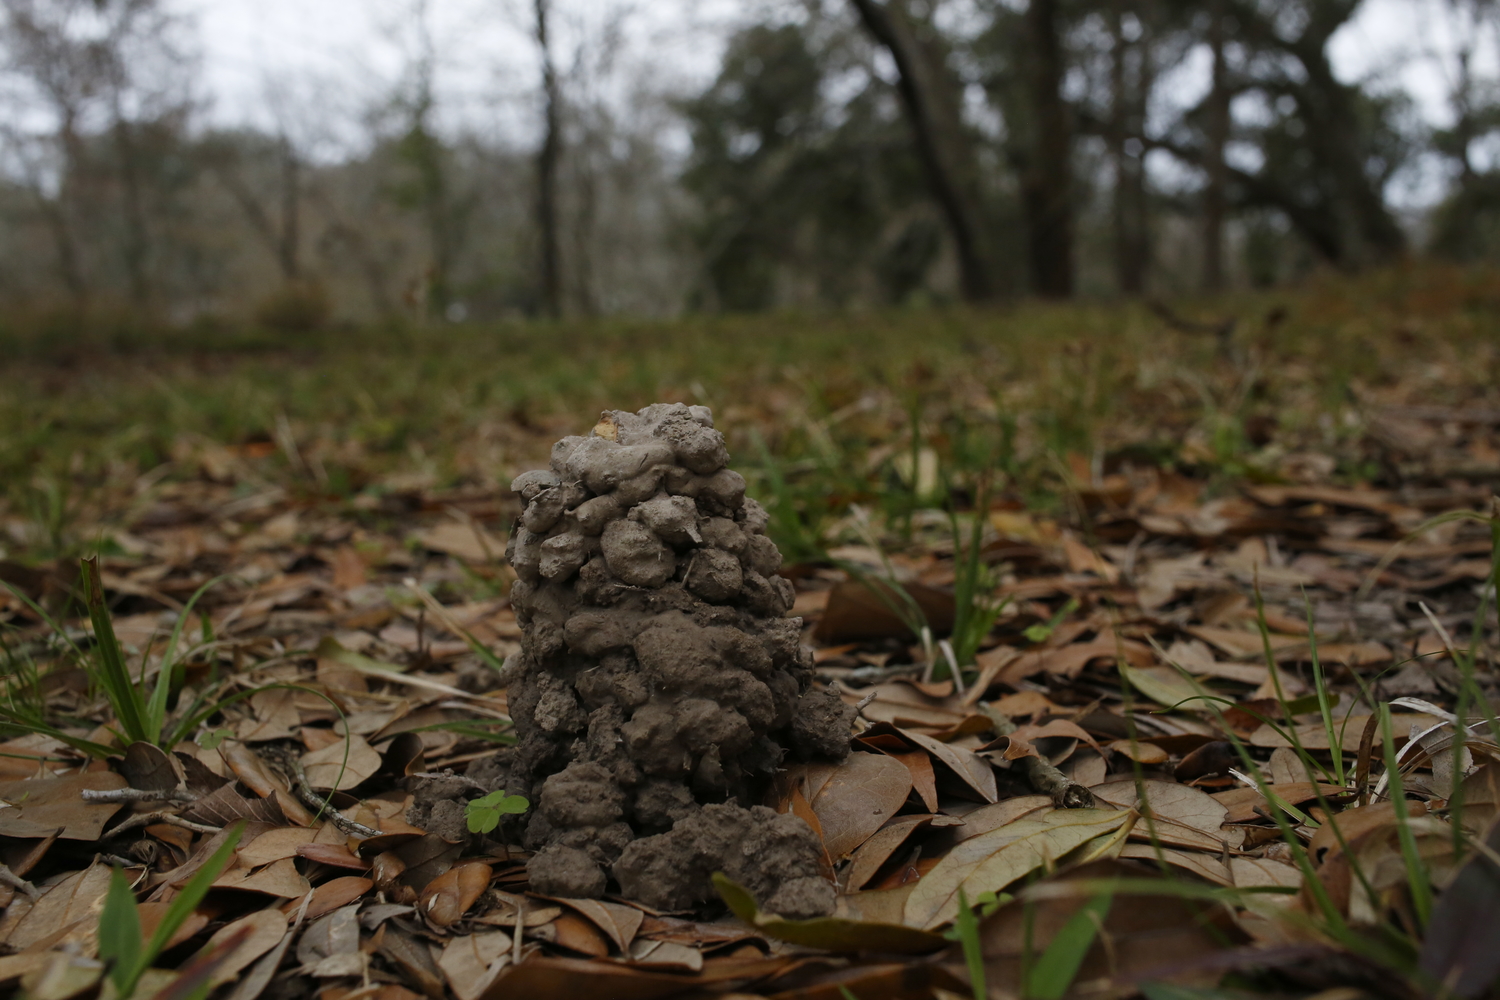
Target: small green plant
[140,716]
[966,932]
[121,943]
[1054,972]
[483,814]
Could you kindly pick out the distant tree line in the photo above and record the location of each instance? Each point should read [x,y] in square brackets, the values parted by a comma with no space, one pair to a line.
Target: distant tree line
[846,153]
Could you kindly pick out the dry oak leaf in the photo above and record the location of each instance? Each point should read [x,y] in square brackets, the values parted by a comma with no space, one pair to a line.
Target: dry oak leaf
[449,896]
[75,899]
[342,765]
[860,795]
[472,961]
[43,806]
[992,861]
[265,928]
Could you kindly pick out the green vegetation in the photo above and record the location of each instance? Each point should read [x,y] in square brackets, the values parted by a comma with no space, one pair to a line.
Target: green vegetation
[823,412]
[483,815]
[121,942]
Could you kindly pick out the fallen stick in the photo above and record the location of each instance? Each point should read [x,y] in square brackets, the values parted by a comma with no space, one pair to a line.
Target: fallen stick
[1043,778]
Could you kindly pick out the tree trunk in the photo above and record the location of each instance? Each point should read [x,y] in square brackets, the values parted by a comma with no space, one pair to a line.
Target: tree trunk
[137,239]
[289,245]
[547,162]
[1215,197]
[1127,107]
[930,97]
[1047,184]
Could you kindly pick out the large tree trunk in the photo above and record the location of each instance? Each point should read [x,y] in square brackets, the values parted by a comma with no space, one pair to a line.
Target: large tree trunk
[137,249]
[1215,197]
[289,246]
[1128,96]
[547,161]
[1047,183]
[931,98]
[1358,227]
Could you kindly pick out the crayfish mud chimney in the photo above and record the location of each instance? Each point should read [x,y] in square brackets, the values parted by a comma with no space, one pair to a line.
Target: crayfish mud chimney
[659,683]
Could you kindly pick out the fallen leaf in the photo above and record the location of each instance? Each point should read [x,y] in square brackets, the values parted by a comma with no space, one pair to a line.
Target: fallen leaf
[992,861]
[472,961]
[864,792]
[467,541]
[280,878]
[877,850]
[41,807]
[837,934]
[265,928]
[342,765]
[619,923]
[273,845]
[860,610]
[449,896]
[77,898]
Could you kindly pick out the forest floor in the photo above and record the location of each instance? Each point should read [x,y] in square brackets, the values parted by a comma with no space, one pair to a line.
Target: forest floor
[1231,571]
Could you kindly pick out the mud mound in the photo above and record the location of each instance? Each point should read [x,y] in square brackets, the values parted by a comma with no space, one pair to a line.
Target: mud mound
[659,682]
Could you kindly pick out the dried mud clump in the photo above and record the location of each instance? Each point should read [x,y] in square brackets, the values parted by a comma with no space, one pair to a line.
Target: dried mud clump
[659,682]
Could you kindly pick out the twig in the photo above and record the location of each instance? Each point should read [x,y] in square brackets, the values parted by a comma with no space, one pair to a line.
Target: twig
[863,703]
[138,795]
[162,816]
[15,881]
[1040,774]
[325,808]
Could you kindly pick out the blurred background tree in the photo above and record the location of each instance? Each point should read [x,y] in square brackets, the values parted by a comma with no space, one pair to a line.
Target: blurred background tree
[839,154]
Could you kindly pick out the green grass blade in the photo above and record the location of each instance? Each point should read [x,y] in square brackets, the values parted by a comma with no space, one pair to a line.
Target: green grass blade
[156,710]
[120,934]
[192,894]
[1325,707]
[1416,869]
[1053,973]
[113,675]
[966,930]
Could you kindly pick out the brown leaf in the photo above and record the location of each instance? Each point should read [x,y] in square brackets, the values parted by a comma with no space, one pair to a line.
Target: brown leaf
[333,894]
[467,541]
[1245,805]
[877,850]
[540,976]
[342,765]
[226,806]
[449,896]
[1140,935]
[273,845]
[44,806]
[917,762]
[149,767]
[864,792]
[970,768]
[276,717]
[415,961]
[280,878]
[266,929]
[472,961]
[856,610]
[1069,661]
[336,855]
[74,900]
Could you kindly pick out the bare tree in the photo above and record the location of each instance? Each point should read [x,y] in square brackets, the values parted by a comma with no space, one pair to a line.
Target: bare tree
[1047,182]
[931,98]
[548,157]
[1216,135]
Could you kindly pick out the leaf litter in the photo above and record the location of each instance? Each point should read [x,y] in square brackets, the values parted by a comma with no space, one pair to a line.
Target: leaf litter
[1153,649]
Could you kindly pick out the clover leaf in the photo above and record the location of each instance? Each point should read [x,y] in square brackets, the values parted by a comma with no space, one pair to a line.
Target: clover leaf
[483,814]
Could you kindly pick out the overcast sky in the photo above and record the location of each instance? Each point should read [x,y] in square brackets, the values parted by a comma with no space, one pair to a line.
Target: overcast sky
[324,61]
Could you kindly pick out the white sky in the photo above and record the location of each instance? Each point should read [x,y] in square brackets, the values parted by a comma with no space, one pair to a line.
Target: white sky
[320,64]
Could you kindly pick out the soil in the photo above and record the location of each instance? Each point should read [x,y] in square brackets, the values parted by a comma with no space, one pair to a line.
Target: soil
[660,683]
